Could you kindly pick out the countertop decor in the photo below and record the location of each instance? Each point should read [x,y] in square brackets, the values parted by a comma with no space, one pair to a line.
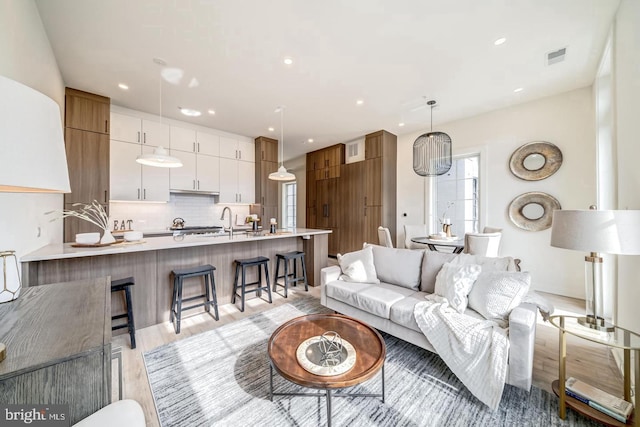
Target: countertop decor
[93,213]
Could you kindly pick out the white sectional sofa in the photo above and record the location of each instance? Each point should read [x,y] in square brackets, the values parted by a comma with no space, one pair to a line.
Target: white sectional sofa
[406,277]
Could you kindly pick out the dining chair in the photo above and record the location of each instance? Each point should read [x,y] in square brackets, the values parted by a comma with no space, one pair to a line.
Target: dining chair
[485,244]
[384,237]
[420,230]
[490,229]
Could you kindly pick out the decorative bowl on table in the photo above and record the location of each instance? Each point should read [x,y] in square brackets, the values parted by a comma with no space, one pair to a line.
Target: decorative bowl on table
[132,236]
[87,238]
[444,238]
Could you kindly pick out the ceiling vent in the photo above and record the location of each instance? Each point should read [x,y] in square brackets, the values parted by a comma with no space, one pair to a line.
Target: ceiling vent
[556,56]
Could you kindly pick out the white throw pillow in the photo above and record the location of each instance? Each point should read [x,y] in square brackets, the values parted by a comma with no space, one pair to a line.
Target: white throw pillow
[358,266]
[454,282]
[496,293]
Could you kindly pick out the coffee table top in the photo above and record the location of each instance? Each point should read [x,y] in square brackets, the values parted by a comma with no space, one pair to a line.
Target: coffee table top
[368,343]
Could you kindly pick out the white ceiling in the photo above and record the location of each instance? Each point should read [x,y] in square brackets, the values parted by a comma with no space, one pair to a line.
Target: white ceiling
[389,53]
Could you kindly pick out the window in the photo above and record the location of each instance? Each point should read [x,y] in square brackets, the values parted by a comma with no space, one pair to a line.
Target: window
[289,204]
[457,196]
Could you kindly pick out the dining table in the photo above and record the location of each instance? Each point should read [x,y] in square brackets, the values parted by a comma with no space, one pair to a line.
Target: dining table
[433,243]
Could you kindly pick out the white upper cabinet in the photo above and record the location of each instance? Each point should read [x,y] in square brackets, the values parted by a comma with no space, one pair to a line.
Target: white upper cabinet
[198,173]
[237,181]
[183,139]
[208,173]
[231,148]
[183,178]
[207,143]
[141,131]
[131,181]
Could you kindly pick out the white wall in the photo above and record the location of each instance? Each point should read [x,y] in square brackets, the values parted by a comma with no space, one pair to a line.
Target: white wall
[26,56]
[627,84]
[566,120]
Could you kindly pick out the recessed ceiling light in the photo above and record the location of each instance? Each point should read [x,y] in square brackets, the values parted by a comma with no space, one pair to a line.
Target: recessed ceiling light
[400,124]
[288,61]
[189,112]
[518,90]
[271,129]
[123,86]
[500,41]
[359,102]
[212,112]
[310,140]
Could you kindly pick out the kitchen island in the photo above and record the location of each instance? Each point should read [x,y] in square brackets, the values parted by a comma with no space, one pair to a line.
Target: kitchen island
[151,261]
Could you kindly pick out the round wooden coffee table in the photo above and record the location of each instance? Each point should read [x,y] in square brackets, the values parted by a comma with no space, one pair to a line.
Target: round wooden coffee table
[368,343]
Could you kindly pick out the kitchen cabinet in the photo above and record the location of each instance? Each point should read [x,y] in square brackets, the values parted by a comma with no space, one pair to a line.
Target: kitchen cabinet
[266,190]
[326,162]
[133,129]
[87,150]
[131,181]
[189,140]
[198,173]
[86,111]
[237,181]
[231,148]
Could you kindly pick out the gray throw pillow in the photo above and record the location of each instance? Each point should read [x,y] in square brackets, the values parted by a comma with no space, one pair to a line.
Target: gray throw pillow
[431,265]
[398,266]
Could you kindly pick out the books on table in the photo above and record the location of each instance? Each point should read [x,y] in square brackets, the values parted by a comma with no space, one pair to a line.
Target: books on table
[598,399]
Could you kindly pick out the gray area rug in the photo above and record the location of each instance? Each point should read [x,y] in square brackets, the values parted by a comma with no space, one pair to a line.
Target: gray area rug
[221,378]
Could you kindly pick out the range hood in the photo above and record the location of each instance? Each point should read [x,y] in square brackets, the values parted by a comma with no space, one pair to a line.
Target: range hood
[204,193]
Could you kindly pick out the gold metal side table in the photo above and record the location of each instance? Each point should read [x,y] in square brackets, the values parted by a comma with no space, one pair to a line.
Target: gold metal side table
[619,338]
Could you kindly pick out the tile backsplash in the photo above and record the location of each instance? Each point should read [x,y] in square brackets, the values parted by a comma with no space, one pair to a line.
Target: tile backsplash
[195,209]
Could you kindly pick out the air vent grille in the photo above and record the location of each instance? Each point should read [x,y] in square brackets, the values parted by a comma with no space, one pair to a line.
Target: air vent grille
[556,56]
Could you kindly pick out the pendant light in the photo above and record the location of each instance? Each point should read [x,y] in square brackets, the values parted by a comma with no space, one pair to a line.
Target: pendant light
[281,174]
[432,151]
[160,158]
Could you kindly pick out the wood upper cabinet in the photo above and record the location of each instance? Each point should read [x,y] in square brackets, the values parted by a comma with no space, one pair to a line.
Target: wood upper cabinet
[266,155]
[266,149]
[88,162]
[86,111]
[326,162]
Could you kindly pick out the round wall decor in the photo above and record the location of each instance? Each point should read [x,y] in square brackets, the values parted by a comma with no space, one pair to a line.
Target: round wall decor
[533,211]
[535,161]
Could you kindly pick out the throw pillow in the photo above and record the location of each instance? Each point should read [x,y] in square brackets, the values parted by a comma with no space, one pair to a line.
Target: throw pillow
[397,266]
[496,293]
[454,282]
[358,266]
[431,265]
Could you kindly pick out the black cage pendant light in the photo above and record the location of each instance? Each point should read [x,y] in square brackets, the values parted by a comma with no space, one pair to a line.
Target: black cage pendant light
[432,151]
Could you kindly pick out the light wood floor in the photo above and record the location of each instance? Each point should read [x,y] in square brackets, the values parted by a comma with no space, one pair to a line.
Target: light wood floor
[586,361]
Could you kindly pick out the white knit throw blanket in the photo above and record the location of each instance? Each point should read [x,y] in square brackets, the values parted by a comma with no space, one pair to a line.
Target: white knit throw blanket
[475,350]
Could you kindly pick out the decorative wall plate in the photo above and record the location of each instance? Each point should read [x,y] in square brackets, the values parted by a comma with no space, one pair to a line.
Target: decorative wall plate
[535,161]
[518,211]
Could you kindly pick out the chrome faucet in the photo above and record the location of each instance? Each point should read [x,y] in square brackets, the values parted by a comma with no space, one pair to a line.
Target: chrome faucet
[230,229]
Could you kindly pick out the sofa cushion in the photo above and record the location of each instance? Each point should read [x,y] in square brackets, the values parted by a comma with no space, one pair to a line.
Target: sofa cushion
[496,293]
[358,266]
[402,311]
[506,263]
[454,283]
[432,262]
[378,299]
[398,266]
[345,291]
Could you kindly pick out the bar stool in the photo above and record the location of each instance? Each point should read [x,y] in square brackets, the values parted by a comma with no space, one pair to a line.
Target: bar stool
[244,264]
[290,278]
[124,285]
[205,271]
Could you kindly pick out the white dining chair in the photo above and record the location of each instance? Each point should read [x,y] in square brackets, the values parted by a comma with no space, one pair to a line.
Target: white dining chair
[420,230]
[384,237]
[484,244]
[490,229]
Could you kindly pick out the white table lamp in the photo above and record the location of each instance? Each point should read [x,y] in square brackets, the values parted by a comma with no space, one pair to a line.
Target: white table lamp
[607,231]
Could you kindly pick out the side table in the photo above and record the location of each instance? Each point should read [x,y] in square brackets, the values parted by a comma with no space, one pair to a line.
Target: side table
[619,338]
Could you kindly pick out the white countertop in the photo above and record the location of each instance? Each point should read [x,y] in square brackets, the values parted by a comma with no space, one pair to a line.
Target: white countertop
[65,250]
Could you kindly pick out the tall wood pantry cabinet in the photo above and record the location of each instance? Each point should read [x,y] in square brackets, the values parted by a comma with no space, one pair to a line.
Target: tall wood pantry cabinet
[266,189]
[323,201]
[87,124]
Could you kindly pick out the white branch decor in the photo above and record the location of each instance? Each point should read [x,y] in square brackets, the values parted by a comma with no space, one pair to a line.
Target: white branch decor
[93,213]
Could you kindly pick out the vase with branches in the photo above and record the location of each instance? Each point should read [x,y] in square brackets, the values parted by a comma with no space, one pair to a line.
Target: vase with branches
[446,222]
[93,213]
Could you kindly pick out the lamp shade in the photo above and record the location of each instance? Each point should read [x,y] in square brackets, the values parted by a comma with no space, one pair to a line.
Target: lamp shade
[606,231]
[32,154]
[160,159]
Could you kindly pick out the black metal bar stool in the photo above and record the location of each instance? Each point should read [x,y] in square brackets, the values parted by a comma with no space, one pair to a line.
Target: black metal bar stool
[125,286]
[290,278]
[244,264]
[205,271]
